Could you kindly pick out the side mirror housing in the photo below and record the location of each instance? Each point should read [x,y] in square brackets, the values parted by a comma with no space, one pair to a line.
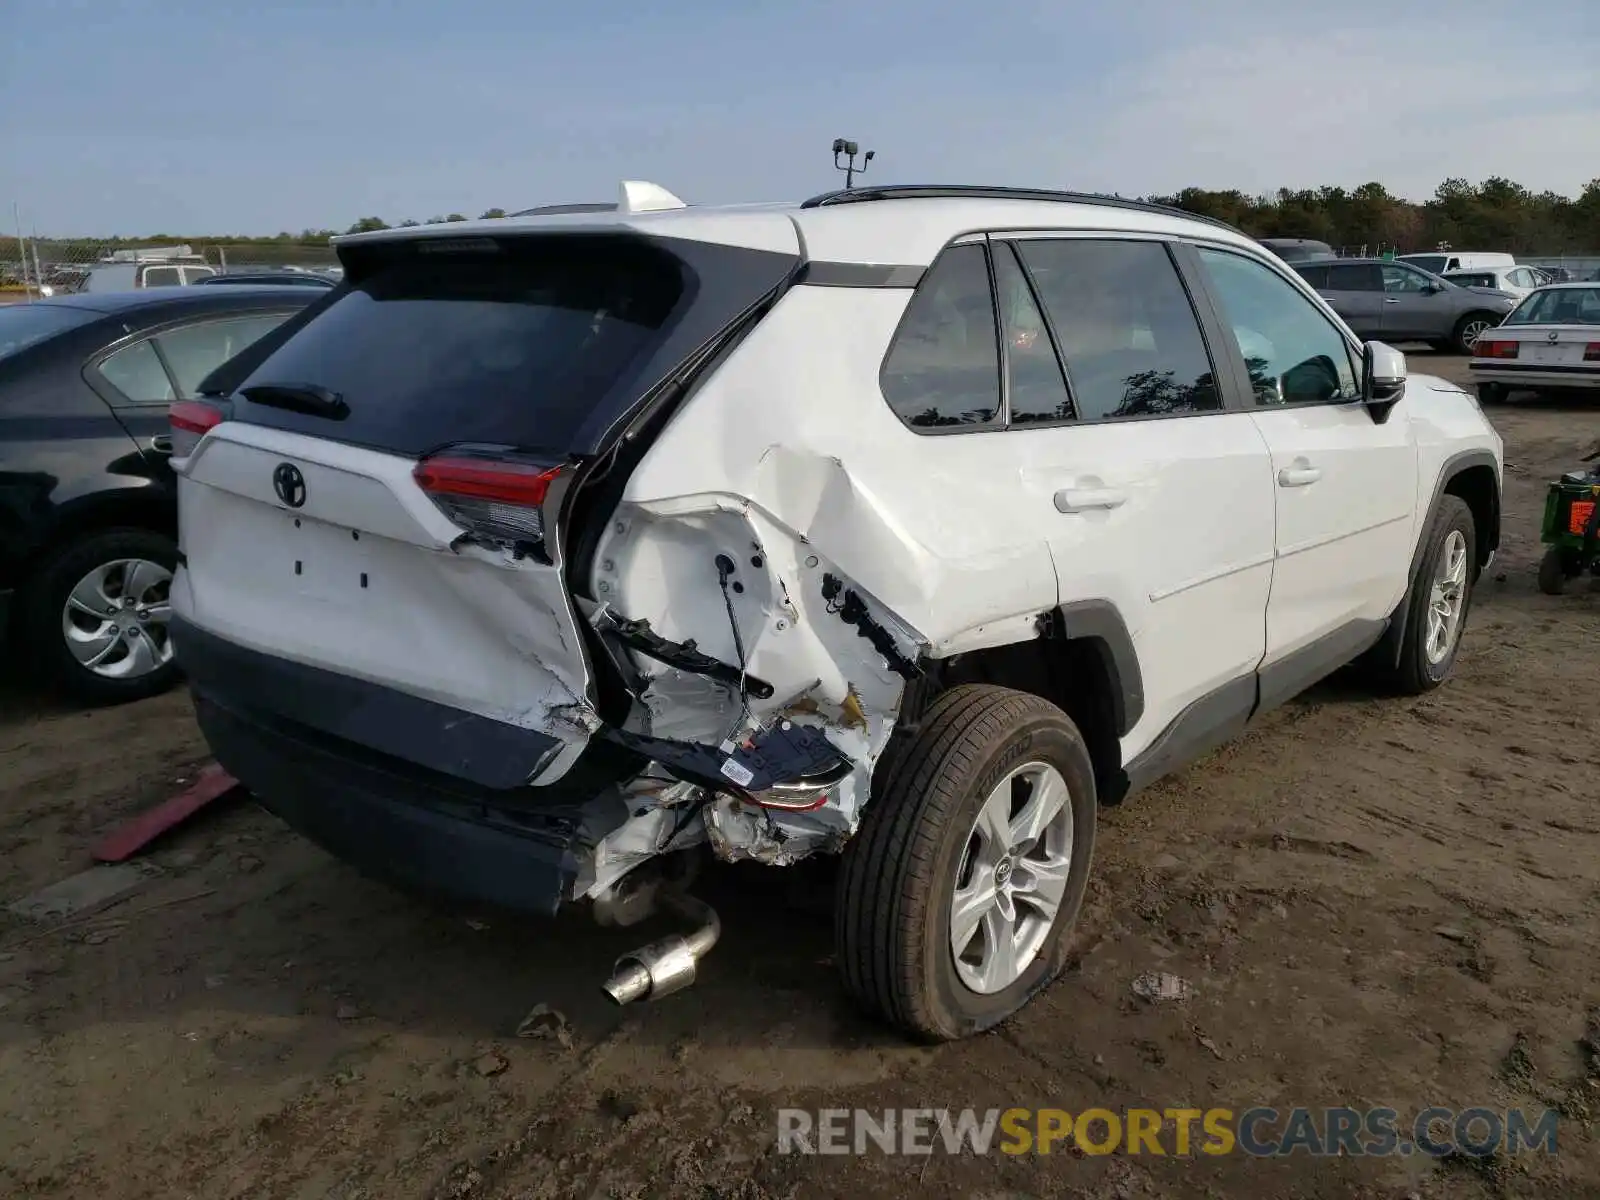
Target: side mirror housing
[1383,379]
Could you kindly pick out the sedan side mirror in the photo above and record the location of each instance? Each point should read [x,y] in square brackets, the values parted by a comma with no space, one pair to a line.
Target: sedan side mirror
[1383,379]
[1432,289]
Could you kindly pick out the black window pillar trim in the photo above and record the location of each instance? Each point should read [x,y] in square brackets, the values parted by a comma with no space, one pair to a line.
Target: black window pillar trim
[1049,327]
[1235,389]
[1002,417]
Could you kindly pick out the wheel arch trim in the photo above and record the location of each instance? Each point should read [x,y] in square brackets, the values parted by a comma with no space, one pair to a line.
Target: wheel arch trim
[1099,623]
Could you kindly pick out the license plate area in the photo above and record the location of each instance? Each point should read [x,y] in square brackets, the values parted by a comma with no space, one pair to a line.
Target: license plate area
[1547,354]
[330,564]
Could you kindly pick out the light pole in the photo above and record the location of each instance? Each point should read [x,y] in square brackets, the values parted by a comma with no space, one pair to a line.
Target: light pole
[849,150]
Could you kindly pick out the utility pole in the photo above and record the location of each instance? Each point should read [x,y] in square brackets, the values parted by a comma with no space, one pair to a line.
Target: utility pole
[849,150]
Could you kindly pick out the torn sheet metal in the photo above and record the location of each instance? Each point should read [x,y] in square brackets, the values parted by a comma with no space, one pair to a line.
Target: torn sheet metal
[664,816]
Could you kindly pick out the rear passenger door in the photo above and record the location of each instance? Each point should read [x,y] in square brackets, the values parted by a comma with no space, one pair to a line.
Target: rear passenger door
[1355,292]
[1345,484]
[1414,306]
[1155,492]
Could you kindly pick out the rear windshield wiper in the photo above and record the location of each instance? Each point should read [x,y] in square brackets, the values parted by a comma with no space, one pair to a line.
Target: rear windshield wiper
[306,398]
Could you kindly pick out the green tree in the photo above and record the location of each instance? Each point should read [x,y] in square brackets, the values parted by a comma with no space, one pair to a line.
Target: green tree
[492,214]
[368,224]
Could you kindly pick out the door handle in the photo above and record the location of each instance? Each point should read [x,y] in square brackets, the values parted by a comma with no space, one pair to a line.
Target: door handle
[161,443]
[1071,500]
[1299,475]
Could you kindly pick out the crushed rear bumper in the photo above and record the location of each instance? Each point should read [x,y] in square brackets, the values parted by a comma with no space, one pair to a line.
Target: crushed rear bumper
[289,732]
[401,830]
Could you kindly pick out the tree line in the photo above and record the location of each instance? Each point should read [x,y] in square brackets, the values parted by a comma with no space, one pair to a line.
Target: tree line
[1497,214]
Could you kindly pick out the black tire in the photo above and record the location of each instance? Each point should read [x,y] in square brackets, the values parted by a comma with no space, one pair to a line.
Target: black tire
[1492,393]
[1553,572]
[45,595]
[1467,330]
[898,878]
[1414,674]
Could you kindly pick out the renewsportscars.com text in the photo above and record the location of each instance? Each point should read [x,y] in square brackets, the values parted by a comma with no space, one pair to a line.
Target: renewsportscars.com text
[1180,1132]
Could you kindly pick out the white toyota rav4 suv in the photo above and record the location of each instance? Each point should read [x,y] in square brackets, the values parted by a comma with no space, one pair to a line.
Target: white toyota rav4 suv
[908,523]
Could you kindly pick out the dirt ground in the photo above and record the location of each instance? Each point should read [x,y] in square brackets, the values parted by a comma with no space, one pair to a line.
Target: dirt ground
[1377,903]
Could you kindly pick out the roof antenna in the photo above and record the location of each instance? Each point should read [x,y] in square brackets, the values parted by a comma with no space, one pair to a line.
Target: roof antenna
[638,196]
[850,150]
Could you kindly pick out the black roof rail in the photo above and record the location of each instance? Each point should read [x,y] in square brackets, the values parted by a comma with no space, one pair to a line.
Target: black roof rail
[550,210]
[979,191]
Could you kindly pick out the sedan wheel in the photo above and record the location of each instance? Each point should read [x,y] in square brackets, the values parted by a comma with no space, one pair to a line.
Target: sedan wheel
[116,617]
[97,616]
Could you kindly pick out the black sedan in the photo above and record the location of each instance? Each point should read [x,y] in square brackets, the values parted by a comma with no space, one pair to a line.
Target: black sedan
[88,504]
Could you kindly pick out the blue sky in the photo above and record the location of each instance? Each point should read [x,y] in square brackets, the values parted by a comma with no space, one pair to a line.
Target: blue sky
[144,116]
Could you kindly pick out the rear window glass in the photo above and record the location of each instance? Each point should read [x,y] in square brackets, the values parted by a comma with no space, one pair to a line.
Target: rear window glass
[1558,306]
[514,346]
[21,325]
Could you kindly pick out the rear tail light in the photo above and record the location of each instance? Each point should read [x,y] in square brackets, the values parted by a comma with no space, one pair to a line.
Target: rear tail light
[495,501]
[1487,348]
[191,420]
[1591,352]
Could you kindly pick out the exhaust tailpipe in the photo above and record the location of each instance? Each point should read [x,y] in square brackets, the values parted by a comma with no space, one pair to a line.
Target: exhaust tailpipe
[668,965]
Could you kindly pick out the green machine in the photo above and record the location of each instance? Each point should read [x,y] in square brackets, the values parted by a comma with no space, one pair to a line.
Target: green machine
[1571,529]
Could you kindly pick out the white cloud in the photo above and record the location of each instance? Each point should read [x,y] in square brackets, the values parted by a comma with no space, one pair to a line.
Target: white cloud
[1407,108]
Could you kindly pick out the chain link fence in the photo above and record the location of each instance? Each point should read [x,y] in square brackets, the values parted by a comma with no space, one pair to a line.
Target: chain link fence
[35,267]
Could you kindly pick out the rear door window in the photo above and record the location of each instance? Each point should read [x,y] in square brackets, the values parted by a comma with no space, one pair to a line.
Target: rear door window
[1128,334]
[943,368]
[1317,277]
[161,277]
[1355,277]
[194,351]
[137,374]
[512,346]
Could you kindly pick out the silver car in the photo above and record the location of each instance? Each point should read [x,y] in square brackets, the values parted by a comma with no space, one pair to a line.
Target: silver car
[1388,301]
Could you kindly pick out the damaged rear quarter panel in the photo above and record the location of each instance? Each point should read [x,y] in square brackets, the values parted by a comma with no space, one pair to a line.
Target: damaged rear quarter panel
[789,462]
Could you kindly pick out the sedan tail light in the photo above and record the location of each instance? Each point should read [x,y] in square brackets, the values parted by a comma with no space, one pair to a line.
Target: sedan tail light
[1591,352]
[494,500]
[191,420]
[1488,348]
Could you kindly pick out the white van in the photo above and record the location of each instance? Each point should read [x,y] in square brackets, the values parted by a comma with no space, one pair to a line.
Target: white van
[1458,260]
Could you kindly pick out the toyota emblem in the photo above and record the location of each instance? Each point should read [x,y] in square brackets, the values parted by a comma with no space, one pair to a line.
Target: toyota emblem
[289,484]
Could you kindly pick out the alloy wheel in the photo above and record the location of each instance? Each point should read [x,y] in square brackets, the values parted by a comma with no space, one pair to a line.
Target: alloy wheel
[1012,878]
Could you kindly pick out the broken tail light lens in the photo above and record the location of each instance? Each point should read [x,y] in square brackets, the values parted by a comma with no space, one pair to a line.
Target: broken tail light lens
[191,420]
[1486,348]
[494,500]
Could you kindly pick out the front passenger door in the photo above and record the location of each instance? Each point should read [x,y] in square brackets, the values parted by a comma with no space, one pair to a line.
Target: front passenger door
[1346,485]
